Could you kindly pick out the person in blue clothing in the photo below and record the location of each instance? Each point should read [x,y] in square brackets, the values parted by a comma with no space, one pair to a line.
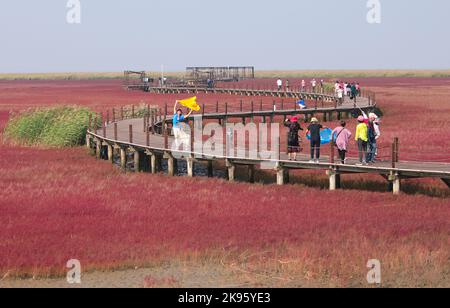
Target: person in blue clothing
[177,122]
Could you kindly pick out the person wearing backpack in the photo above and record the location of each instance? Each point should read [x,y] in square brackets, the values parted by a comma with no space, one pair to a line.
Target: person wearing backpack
[341,137]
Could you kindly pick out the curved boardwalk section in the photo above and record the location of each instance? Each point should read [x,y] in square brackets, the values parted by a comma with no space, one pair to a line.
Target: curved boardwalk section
[149,142]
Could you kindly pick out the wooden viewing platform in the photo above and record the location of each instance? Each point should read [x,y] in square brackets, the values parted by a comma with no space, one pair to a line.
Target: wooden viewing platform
[149,142]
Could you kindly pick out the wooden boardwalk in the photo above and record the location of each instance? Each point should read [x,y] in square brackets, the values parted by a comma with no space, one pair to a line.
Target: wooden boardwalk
[367,98]
[137,136]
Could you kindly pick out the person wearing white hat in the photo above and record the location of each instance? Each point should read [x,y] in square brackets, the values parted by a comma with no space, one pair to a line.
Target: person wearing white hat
[374,134]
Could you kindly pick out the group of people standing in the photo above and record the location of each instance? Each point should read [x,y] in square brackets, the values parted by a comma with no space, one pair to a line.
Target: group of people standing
[367,134]
[294,139]
[347,89]
[313,83]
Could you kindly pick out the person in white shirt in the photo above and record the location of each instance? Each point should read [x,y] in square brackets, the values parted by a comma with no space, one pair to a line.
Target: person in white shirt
[313,85]
[303,85]
[373,117]
[280,84]
[337,85]
[340,94]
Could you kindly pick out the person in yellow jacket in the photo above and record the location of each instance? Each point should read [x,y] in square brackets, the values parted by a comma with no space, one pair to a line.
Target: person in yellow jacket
[362,138]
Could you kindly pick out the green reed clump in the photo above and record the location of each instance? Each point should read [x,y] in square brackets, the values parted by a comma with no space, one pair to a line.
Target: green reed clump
[59,127]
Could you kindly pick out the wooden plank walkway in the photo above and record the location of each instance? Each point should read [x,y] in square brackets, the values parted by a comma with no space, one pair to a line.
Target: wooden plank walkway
[157,147]
[366,99]
[133,135]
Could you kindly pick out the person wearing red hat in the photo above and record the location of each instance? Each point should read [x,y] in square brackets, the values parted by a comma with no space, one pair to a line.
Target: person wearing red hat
[293,137]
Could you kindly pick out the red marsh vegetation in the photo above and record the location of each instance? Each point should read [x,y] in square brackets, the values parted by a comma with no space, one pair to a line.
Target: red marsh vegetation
[59,204]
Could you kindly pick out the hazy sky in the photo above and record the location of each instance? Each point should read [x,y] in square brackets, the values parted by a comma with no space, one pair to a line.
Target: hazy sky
[269,34]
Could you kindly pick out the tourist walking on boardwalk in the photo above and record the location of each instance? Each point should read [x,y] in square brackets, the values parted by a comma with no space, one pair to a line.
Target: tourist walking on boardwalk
[287,85]
[371,143]
[378,133]
[313,85]
[362,139]
[178,119]
[303,85]
[341,137]
[279,84]
[337,85]
[294,141]
[314,130]
[354,92]
[374,134]
[340,95]
[349,89]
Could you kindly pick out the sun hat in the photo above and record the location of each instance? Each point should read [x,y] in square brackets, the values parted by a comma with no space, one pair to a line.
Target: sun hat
[314,120]
[373,116]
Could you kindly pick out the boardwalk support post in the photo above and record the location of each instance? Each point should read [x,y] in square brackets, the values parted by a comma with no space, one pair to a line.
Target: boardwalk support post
[98,152]
[210,169]
[335,179]
[123,158]
[231,170]
[110,153]
[394,178]
[251,173]
[171,164]
[137,160]
[190,167]
[153,164]
[282,175]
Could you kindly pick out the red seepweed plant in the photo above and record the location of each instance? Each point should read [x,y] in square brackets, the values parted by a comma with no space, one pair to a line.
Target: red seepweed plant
[61,204]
